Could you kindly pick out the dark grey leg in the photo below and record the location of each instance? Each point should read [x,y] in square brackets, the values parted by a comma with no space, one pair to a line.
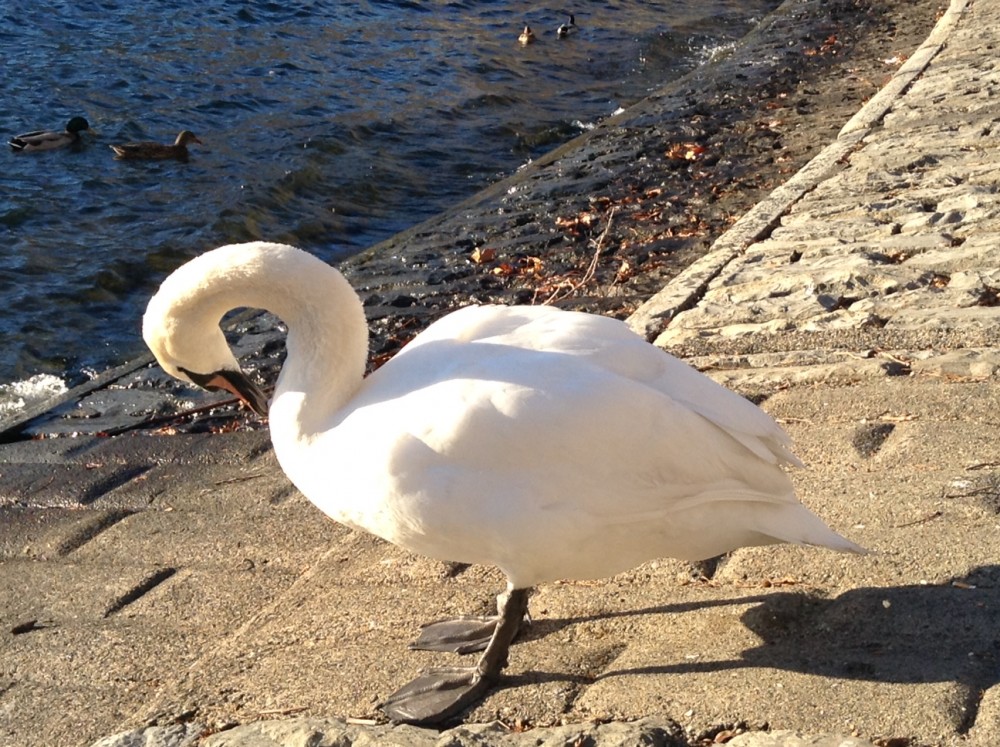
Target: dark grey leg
[439,694]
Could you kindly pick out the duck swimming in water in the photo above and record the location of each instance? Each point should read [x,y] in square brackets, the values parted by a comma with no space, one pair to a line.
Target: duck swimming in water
[567,28]
[157,151]
[527,36]
[31,142]
[551,444]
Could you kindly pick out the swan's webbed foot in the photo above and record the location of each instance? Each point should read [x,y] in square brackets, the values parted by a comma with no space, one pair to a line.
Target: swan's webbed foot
[463,635]
[436,695]
[440,694]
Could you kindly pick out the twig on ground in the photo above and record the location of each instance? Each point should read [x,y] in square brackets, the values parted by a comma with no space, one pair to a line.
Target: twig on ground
[562,292]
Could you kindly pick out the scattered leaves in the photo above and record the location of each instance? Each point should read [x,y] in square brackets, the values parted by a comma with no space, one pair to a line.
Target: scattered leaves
[524,267]
[685,152]
[565,288]
[829,46]
[578,225]
[771,124]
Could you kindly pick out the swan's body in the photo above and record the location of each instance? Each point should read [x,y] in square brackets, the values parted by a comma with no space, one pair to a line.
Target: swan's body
[551,444]
[157,151]
[31,142]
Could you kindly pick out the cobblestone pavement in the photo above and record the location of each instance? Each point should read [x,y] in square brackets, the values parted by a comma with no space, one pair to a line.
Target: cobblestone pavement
[180,587]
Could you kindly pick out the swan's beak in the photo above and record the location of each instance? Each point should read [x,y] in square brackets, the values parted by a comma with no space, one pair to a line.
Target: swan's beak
[237,383]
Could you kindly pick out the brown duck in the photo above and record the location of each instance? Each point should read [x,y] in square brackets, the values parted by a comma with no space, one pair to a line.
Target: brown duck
[157,150]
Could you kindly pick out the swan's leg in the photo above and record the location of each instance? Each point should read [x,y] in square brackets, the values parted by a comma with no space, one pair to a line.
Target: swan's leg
[441,693]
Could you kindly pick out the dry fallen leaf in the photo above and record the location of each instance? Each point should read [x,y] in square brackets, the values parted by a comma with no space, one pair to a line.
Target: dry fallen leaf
[624,272]
[685,151]
[483,254]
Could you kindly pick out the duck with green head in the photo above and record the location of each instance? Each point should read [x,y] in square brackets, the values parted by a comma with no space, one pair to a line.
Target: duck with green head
[40,140]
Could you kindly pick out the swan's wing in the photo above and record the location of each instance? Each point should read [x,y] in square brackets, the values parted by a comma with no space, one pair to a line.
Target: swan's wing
[611,345]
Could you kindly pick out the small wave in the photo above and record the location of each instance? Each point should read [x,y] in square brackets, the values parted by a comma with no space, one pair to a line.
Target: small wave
[19,395]
[707,53]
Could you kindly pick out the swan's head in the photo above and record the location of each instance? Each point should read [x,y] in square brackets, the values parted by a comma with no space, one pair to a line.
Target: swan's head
[181,328]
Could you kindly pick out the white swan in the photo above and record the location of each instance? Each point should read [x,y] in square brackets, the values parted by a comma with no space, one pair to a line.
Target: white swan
[553,444]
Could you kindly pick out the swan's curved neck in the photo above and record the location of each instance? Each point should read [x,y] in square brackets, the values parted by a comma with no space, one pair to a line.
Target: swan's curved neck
[327,329]
[327,351]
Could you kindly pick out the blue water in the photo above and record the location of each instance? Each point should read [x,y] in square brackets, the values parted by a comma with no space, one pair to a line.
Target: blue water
[328,125]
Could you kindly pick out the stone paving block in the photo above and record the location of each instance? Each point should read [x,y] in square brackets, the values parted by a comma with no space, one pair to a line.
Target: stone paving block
[252,485]
[987,727]
[926,503]
[343,660]
[140,630]
[114,473]
[48,450]
[212,600]
[48,533]
[70,684]
[185,448]
[778,689]
[975,363]
[64,592]
[226,537]
[64,485]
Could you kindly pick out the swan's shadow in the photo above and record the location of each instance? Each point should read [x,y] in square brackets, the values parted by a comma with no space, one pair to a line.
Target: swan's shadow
[903,634]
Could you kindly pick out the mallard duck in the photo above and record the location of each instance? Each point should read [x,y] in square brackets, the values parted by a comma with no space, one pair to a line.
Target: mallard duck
[527,36]
[30,142]
[551,444]
[157,150]
[566,29]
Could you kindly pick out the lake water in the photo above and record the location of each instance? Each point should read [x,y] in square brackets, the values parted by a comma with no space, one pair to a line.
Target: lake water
[327,125]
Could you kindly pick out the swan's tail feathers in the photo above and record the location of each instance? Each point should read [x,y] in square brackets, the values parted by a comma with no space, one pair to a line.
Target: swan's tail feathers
[809,529]
[841,544]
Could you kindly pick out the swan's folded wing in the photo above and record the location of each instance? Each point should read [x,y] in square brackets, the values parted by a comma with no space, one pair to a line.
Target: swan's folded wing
[611,345]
